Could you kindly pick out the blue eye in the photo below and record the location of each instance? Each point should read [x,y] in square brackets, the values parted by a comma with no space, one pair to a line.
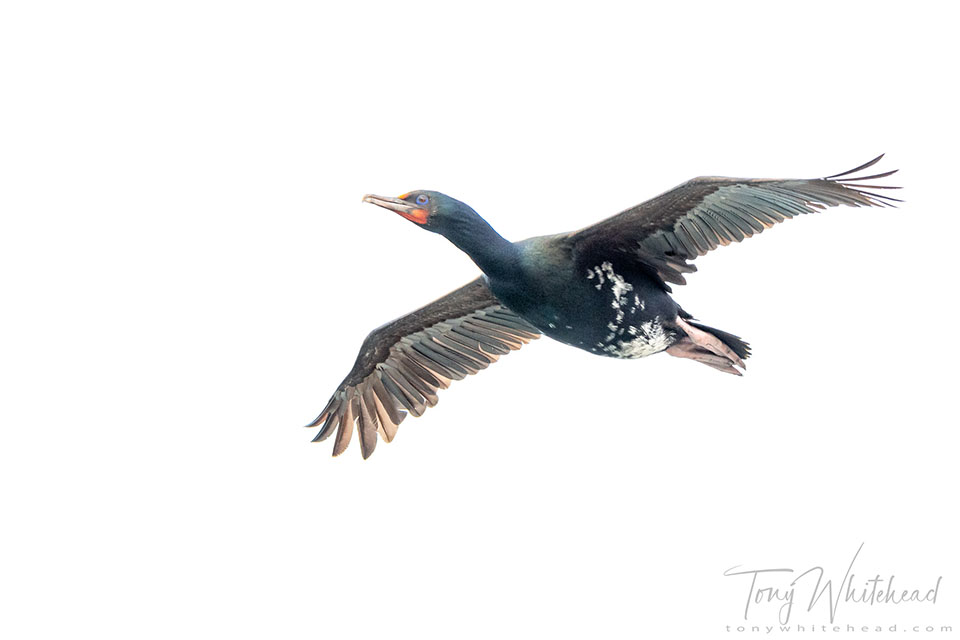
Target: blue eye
[422,199]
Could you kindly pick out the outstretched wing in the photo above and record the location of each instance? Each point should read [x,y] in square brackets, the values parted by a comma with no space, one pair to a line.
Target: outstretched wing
[403,363]
[665,233]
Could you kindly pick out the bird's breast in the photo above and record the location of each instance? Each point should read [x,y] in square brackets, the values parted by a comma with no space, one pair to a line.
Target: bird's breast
[603,310]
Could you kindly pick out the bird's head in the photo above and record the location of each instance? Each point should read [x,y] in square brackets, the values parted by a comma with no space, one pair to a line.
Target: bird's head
[431,210]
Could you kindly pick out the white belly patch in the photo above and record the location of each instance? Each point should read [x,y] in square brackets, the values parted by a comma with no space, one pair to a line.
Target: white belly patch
[645,340]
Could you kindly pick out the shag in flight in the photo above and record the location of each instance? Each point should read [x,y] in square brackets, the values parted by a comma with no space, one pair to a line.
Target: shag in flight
[603,289]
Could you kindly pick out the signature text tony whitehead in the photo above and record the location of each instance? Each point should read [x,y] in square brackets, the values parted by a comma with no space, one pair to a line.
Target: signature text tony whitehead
[768,586]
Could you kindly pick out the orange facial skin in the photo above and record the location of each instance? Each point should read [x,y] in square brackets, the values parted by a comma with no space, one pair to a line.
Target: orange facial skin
[417,215]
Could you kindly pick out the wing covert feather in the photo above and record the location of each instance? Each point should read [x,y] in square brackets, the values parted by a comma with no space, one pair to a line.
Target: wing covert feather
[667,232]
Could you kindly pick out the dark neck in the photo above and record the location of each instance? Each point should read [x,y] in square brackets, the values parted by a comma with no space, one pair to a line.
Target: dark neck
[495,255]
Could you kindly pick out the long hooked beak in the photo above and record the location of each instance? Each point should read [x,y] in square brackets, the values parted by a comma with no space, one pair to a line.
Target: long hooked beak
[405,209]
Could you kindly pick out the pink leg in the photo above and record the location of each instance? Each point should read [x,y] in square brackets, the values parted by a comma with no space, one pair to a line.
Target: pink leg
[686,348]
[709,342]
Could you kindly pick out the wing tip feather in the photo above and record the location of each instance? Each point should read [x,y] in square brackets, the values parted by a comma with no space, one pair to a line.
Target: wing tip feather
[866,165]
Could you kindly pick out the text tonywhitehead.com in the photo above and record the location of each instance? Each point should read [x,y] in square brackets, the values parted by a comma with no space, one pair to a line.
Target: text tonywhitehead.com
[824,628]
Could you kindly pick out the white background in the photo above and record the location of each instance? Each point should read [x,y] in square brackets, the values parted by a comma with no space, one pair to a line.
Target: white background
[188,272]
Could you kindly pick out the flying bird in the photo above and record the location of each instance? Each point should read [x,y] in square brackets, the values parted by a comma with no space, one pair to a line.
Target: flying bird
[604,289]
